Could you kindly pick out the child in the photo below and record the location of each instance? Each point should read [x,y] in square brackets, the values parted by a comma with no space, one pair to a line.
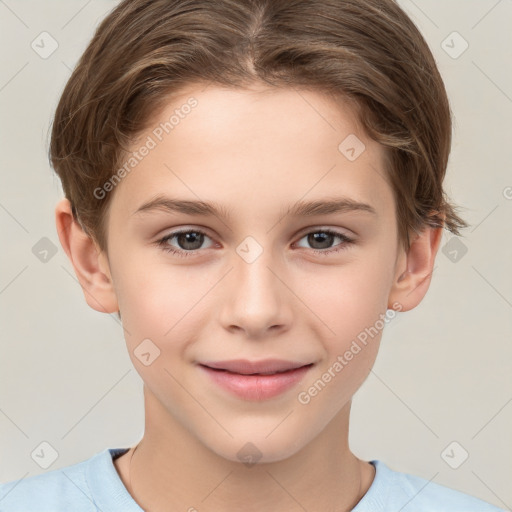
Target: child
[263,128]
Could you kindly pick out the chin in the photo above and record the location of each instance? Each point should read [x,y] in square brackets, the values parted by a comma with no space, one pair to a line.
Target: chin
[252,448]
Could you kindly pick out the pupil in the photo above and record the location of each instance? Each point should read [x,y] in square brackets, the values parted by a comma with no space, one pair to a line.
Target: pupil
[185,239]
[323,238]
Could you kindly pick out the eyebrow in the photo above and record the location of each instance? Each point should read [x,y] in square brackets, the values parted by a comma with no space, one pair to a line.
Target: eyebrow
[299,209]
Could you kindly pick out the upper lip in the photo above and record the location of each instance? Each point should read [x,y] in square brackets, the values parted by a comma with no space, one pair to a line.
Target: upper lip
[246,367]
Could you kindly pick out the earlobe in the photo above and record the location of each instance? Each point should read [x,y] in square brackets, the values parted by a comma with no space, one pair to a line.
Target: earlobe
[414,271]
[90,264]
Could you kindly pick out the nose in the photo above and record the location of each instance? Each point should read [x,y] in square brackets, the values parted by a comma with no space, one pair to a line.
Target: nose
[255,297]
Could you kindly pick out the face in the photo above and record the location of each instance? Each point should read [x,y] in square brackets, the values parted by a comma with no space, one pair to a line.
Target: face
[264,275]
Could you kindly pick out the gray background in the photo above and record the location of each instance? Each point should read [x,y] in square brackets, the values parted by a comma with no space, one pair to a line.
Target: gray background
[443,374]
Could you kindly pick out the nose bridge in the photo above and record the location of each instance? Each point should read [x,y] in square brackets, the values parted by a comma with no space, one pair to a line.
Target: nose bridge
[254,279]
[256,297]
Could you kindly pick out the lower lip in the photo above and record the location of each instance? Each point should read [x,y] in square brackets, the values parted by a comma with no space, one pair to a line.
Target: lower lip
[256,387]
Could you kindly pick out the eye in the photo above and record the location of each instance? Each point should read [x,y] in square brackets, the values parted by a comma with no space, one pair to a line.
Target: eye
[323,239]
[188,240]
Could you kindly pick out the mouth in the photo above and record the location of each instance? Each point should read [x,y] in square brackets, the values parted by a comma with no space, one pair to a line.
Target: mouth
[264,367]
[256,381]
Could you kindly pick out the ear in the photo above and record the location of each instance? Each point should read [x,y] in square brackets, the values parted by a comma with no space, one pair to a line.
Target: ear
[414,270]
[89,262]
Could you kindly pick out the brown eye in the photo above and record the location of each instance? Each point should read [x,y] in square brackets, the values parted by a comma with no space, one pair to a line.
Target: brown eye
[188,241]
[321,241]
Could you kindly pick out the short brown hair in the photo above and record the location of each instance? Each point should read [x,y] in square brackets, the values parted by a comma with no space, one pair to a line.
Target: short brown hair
[367,52]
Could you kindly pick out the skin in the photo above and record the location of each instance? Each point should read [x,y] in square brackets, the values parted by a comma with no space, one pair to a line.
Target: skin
[257,152]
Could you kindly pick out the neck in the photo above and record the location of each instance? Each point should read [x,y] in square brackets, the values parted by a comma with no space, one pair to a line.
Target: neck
[163,474]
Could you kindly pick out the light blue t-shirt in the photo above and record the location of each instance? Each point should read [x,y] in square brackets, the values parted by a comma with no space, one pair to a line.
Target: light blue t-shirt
[95,486]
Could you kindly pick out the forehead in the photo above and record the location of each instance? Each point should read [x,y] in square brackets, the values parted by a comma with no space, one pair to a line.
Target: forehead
[254,149]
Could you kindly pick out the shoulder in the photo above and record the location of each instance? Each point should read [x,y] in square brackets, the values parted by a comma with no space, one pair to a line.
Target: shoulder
[59,490]
[409,493]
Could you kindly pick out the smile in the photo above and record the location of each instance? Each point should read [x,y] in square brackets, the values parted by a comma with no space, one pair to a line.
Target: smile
[252,385]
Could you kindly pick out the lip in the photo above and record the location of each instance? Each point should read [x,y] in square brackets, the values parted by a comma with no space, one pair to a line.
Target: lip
[244,366]
[244,378]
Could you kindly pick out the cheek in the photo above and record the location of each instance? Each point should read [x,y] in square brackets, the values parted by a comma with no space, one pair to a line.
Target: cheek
[350,304]
[158,302]
[348,298]
[155,297]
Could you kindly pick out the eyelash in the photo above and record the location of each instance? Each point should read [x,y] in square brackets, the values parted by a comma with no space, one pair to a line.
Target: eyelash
[346,241]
